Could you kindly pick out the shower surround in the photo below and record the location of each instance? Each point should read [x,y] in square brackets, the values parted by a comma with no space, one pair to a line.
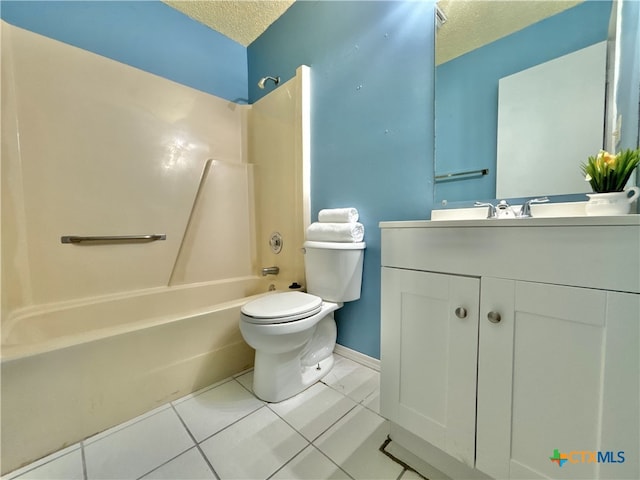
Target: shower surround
[90,147]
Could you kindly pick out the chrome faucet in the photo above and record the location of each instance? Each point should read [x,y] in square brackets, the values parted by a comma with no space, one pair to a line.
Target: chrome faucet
[492,209]
[504,210]
[270,271]
[525,210]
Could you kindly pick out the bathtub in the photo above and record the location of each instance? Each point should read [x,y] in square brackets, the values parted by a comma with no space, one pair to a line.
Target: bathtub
[73,369]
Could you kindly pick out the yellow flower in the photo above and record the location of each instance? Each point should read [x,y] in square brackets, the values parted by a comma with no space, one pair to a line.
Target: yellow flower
[606,158]
[607,172]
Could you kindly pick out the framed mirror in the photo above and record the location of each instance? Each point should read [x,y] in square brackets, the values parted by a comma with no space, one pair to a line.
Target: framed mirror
[483,42]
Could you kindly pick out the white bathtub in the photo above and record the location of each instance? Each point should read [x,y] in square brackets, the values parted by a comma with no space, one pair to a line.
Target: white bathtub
[74,369]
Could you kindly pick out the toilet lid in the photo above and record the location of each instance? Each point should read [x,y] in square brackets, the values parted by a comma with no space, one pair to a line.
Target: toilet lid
[283,307]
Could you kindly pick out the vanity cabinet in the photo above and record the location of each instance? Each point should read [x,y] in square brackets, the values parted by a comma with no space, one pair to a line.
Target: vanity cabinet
[431,342]
[543,363]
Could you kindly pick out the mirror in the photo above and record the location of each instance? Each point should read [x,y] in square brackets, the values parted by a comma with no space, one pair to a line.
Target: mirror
[481,42]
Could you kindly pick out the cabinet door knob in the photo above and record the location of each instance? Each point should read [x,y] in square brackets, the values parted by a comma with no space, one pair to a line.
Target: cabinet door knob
[494,317]
[461,312]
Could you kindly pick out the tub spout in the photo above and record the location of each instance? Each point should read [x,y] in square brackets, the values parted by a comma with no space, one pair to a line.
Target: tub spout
[270,271]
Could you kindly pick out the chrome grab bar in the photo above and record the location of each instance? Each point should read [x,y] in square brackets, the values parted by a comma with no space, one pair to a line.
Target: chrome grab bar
[112,238]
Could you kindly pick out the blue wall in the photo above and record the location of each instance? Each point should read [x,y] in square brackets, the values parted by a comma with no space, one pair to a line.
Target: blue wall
[372,121]
[148,35]
[466,103]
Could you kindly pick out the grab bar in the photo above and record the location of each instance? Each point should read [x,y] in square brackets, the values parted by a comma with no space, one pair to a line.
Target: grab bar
[112,238]
[450,176]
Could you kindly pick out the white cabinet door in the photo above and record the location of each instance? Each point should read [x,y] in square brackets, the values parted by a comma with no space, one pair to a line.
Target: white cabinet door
[429,357]
[557,378]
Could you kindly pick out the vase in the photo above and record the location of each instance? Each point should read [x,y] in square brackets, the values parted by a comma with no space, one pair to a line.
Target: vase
[611,203]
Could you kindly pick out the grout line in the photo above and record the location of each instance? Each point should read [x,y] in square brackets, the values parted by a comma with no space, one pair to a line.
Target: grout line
[192,395]
[285,421]
[243,372]
[355,404]
[85,475]
[126,424]
[231,424]
[246,388]
[197,445]
[329,458]
[310,442]
[334,423]
[52,457]
[369,408]
[206,459]
[223,428]
[295,430]
[291,459]
[348,396]
[164,463]
[193,439]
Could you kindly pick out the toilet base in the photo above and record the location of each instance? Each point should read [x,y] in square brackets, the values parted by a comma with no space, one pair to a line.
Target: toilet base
[276,377]
[288,355]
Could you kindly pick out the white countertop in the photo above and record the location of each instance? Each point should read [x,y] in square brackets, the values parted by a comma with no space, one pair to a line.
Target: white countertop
[581,221]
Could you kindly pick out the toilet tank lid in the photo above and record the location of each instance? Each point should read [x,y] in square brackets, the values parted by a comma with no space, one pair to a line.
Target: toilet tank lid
[336,245]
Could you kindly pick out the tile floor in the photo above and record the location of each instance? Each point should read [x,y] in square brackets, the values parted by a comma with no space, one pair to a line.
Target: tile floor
[332,430]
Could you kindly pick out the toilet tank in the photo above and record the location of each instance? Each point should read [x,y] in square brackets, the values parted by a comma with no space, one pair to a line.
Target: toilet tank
[334,270]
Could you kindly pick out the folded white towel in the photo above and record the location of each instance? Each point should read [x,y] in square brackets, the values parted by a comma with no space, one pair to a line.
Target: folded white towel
[335,232]
[338,215]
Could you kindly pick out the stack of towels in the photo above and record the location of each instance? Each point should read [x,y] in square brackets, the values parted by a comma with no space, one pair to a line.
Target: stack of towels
[336,225]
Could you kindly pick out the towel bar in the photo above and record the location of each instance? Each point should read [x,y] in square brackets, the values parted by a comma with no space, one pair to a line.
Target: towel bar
[112,238]
[452,176]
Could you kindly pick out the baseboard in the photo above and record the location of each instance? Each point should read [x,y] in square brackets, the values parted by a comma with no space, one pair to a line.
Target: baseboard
[356,356]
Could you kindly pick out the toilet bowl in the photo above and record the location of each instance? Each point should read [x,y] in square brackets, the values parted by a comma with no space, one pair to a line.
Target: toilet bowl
[294,333]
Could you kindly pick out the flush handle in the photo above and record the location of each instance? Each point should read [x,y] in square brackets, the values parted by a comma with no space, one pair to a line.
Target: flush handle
[461,312]
[494,317]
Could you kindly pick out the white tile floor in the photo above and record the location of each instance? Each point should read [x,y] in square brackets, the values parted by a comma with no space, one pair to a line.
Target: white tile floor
[332,430]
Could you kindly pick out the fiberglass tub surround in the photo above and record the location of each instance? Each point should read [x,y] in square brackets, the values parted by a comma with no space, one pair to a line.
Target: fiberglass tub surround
[127,159]
[112,329]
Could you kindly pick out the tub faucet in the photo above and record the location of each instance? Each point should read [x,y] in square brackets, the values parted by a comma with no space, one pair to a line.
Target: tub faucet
[270,271]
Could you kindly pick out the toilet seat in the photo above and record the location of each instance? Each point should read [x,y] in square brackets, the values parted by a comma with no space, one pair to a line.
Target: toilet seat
[281,307]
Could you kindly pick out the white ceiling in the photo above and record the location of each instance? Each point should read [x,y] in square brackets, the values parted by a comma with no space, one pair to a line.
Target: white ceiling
[240,20]
[473,23]
[470,23]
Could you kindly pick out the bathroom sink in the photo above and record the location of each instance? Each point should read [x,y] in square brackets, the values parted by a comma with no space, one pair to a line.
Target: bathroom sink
[540,210]
[474,213]
[553,210]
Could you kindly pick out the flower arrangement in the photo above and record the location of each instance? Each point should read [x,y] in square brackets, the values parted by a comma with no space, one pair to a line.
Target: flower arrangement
[609,173]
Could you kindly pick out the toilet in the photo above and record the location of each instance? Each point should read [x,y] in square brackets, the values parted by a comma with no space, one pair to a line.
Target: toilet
[294,333]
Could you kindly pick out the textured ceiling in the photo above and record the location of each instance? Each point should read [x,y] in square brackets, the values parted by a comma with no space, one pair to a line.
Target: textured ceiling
[473,23]
[470,23]
[240,20]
